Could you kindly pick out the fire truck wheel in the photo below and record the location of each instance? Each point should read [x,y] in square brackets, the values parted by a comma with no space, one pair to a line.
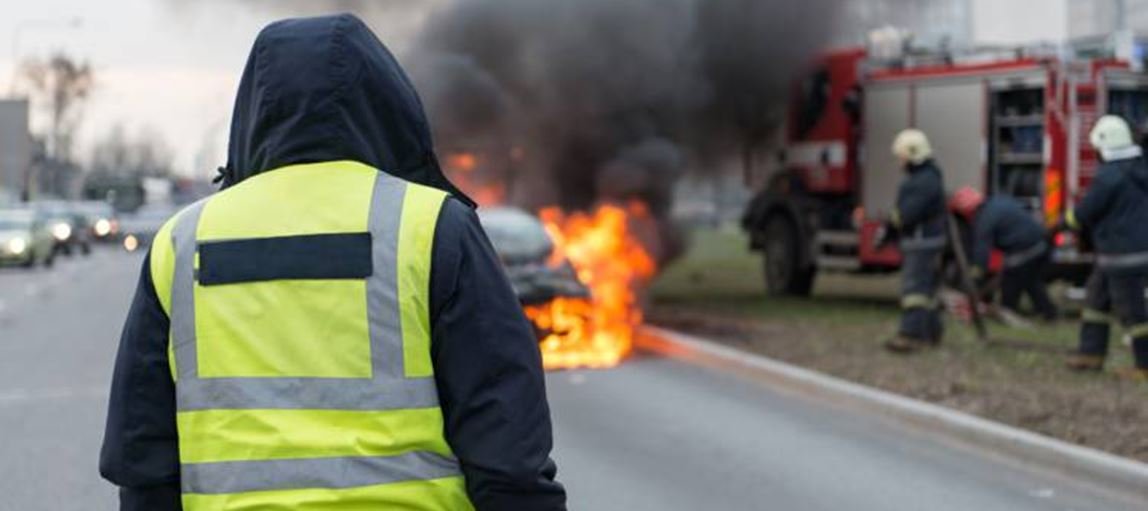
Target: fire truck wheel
[784,275]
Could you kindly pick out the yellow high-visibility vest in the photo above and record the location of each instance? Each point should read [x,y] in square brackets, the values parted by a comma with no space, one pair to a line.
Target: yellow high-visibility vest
[300,344]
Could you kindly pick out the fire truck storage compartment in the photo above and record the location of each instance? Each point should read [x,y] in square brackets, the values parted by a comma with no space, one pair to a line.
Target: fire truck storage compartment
[950,110]
[1128,97]
[1017,140]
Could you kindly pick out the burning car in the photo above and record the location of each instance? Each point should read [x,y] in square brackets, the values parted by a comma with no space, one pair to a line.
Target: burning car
[526,251]
[576,275]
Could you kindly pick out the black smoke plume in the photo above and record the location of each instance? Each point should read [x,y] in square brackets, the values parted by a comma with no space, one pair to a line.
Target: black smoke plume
[612,99]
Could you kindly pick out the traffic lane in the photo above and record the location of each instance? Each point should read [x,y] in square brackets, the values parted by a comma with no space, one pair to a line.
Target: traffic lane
[659,434]
[57,346]
[55,320]
[21,287]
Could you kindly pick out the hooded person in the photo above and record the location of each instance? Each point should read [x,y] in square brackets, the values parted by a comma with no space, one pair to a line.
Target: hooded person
[1115,212]
[341,332]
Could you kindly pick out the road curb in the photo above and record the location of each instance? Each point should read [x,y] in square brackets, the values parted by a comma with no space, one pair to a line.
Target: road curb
[1123,475]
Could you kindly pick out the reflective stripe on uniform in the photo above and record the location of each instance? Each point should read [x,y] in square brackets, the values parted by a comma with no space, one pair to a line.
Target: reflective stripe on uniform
[183,292]
[917,301]
[328,473]
[1137,331]
[1117,261]
[1070,219]
[1094,316]
[1024,256]
[305,394]
[921,243]
[895,218]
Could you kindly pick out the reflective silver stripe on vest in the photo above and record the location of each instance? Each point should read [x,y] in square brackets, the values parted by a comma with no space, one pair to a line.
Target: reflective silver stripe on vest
[934,242]
[1122,261]
[387,389]
[1026,255]
[183,292]
[304,394]
[328,473]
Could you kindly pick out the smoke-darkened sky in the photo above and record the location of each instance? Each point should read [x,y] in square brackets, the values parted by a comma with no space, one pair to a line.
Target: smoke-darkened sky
[610,98]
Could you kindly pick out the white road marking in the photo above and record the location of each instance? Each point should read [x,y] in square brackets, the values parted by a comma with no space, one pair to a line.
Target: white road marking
[12,397]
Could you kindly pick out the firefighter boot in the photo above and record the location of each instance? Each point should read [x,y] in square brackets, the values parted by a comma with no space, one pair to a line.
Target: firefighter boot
[1084,362]
[905,345]
[1138,372]
[1093,343]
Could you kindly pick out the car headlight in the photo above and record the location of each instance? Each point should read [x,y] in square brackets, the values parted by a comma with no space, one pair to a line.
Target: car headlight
[103,227]
[61,231]
[131,243]
[17,246]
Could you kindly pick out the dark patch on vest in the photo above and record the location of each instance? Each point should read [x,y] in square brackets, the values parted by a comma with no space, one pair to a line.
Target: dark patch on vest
[312,257]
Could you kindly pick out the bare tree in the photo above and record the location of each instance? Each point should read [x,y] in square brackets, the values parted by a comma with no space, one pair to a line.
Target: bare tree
[119,155]
[59,85]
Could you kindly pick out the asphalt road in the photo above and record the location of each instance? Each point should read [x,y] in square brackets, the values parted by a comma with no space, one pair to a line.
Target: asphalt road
[654,434]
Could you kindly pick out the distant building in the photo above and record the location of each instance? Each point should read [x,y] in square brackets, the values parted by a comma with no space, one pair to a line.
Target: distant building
[933,22]
[1088,18]
[16,146]
[964,23]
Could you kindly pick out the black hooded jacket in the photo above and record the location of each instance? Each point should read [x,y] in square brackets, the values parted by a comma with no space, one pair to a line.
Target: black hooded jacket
[324,89]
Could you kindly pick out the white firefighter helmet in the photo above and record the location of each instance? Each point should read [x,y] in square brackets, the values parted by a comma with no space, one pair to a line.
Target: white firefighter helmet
[912,146]
[1111,133]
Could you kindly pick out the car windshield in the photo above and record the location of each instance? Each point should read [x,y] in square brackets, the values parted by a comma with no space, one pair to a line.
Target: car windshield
[96,210]
[515,234]
[9,222]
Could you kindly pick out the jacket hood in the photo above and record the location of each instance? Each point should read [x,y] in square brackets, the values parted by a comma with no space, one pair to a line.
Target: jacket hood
[326,89]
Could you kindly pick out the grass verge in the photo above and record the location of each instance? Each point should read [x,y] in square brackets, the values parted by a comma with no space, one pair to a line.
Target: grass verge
[717,291]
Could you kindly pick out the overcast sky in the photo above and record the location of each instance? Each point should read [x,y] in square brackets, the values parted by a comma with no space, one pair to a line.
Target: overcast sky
[165,65]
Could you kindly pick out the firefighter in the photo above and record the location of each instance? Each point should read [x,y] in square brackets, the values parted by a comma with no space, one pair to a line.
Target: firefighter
[1115,212]
[918,221]
[342,334]
[1001,222]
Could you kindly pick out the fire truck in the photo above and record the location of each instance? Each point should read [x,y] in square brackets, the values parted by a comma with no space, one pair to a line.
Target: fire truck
[1009,121]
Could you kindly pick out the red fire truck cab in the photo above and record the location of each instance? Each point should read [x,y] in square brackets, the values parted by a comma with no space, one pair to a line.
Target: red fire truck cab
[1009,122]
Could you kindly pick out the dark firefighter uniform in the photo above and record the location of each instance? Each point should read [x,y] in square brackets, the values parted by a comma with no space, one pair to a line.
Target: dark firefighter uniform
[1003,223]
[919,220]
[332,331]
[1115,211]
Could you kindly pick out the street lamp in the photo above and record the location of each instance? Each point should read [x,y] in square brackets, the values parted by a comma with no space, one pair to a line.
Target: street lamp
[71,23]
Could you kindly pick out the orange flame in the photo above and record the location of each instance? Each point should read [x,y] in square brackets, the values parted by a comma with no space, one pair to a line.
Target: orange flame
[596,332]
[463,170]
[462,162]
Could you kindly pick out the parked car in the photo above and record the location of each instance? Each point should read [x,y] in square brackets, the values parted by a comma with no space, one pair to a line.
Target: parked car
[525,249]
[103,226]
[68,227]
[24,239]
[140,227]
